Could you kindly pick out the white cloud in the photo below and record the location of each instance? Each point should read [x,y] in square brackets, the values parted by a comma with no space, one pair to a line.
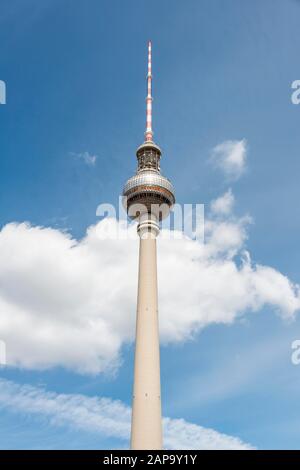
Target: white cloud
[226,238]
[86,157]
[110,418]
[223,205]
[71,303]
[230,156]
[180,434]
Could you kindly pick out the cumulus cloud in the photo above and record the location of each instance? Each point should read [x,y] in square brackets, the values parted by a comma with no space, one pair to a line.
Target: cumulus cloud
[230,157]
[72,303]
[110,418]
[223,205]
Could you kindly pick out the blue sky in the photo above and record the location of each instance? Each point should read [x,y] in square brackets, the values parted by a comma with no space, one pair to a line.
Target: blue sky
[75,77]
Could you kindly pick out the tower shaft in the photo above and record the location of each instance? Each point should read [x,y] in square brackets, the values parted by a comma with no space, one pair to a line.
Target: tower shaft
[146,427]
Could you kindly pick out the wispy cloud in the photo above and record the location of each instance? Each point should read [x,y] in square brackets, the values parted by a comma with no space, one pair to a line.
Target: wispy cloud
[86,157]
[110,418]
[234,375]
[230,157]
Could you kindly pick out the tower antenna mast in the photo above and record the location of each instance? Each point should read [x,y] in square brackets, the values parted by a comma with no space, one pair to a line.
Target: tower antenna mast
[149,131]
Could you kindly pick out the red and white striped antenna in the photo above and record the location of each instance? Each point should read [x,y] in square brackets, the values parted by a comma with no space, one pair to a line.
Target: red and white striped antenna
[149,132]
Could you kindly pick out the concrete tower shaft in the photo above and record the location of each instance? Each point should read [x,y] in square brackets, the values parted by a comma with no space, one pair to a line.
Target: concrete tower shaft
[146,428]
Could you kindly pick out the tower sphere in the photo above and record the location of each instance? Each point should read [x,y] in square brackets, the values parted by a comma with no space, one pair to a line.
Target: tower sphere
[148,191]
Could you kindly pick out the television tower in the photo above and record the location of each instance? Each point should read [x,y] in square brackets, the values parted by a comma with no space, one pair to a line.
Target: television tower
[148,197]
